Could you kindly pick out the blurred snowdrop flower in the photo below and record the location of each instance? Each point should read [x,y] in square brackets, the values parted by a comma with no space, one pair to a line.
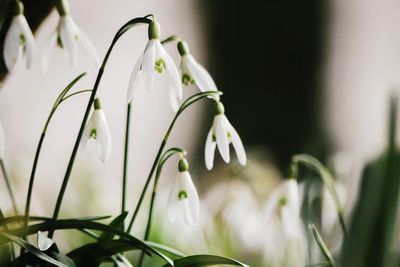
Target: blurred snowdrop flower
[2,142]
[69,36]
[155,60]
[97,128]
[193,72]
[222,134]
[18,36]
[43,242]
[285,245]
[183,199]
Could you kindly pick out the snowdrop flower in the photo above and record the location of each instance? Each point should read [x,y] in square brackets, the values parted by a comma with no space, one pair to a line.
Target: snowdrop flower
[97,128]
[155,60]
[2,142]
[18,36]
[43,242]
[282,213]
[183,199]
[222,134]
[193,72]
[69,36]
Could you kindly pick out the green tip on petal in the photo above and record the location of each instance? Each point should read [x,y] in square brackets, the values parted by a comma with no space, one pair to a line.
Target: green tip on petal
[159,65]
[183,165]
[182,195]
[282,201]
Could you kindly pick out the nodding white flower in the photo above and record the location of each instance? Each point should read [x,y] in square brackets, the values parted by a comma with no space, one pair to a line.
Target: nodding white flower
[284,226]
[222,134]
[18,36]
[43,242]
[69,36]
[155,60]
[193,72]
[183,199]
[2,142]
[97,128]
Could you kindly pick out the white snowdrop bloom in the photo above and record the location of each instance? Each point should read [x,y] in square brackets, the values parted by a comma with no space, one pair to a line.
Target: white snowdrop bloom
[69,36]
[221,135]
[2,142]
[97,128]
[192,72]
[43,242]
[286,242]
[155,60]
[183,199]
[18,37]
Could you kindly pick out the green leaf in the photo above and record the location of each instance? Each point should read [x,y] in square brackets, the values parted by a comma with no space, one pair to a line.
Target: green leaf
[91,225]
[322,246]
[95,253]
[372,229]
[118,223]
[165,248]
[18,219]
[205,260]
[33,249]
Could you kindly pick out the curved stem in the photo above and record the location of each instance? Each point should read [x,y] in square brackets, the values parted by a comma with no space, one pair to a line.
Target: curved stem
[126,152]
[184,106]
[58,101]
[167,154]
[9,186]
[64,184]
[171,38]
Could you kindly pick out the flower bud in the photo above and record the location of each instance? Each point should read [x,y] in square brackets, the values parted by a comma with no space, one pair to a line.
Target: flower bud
[219,108]
[183,165]
[97,103]
[183,48]
[154,30]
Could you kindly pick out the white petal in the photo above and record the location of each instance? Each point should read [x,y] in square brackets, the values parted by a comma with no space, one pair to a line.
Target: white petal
[68,33]
[149,59]
[2,142]
[29,40]
[200,75]
[134,80]
[12,44]
[209,150]
[173,99]
[89,48]
[185,211]
[103,136]
[173,201]
[43,242]
[86,135]
[221,133]
[237,143]
[193,197]
[51,44]
[173,74]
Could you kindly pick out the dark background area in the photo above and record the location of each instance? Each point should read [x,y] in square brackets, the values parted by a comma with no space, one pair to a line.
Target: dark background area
[268,58]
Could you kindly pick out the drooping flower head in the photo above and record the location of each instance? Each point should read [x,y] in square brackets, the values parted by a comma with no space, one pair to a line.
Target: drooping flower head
[43,242]
[183,199]
[70,37]
[156,60]
[192,72]
[97,128]
[18,37]
[221,135]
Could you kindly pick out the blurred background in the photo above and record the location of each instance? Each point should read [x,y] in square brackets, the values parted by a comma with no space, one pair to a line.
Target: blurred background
[298,77]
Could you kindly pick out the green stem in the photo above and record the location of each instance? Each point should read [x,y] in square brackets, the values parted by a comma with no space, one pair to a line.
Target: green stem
[9,186]
[58,101]
[184,105]
[126,152]
[169,153]
[64,184]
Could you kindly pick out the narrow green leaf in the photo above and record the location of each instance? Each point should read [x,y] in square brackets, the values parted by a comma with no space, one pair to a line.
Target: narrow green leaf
[322,246]
[19,219]
[118,223]
[33,249]
[165,248]
[206,260]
